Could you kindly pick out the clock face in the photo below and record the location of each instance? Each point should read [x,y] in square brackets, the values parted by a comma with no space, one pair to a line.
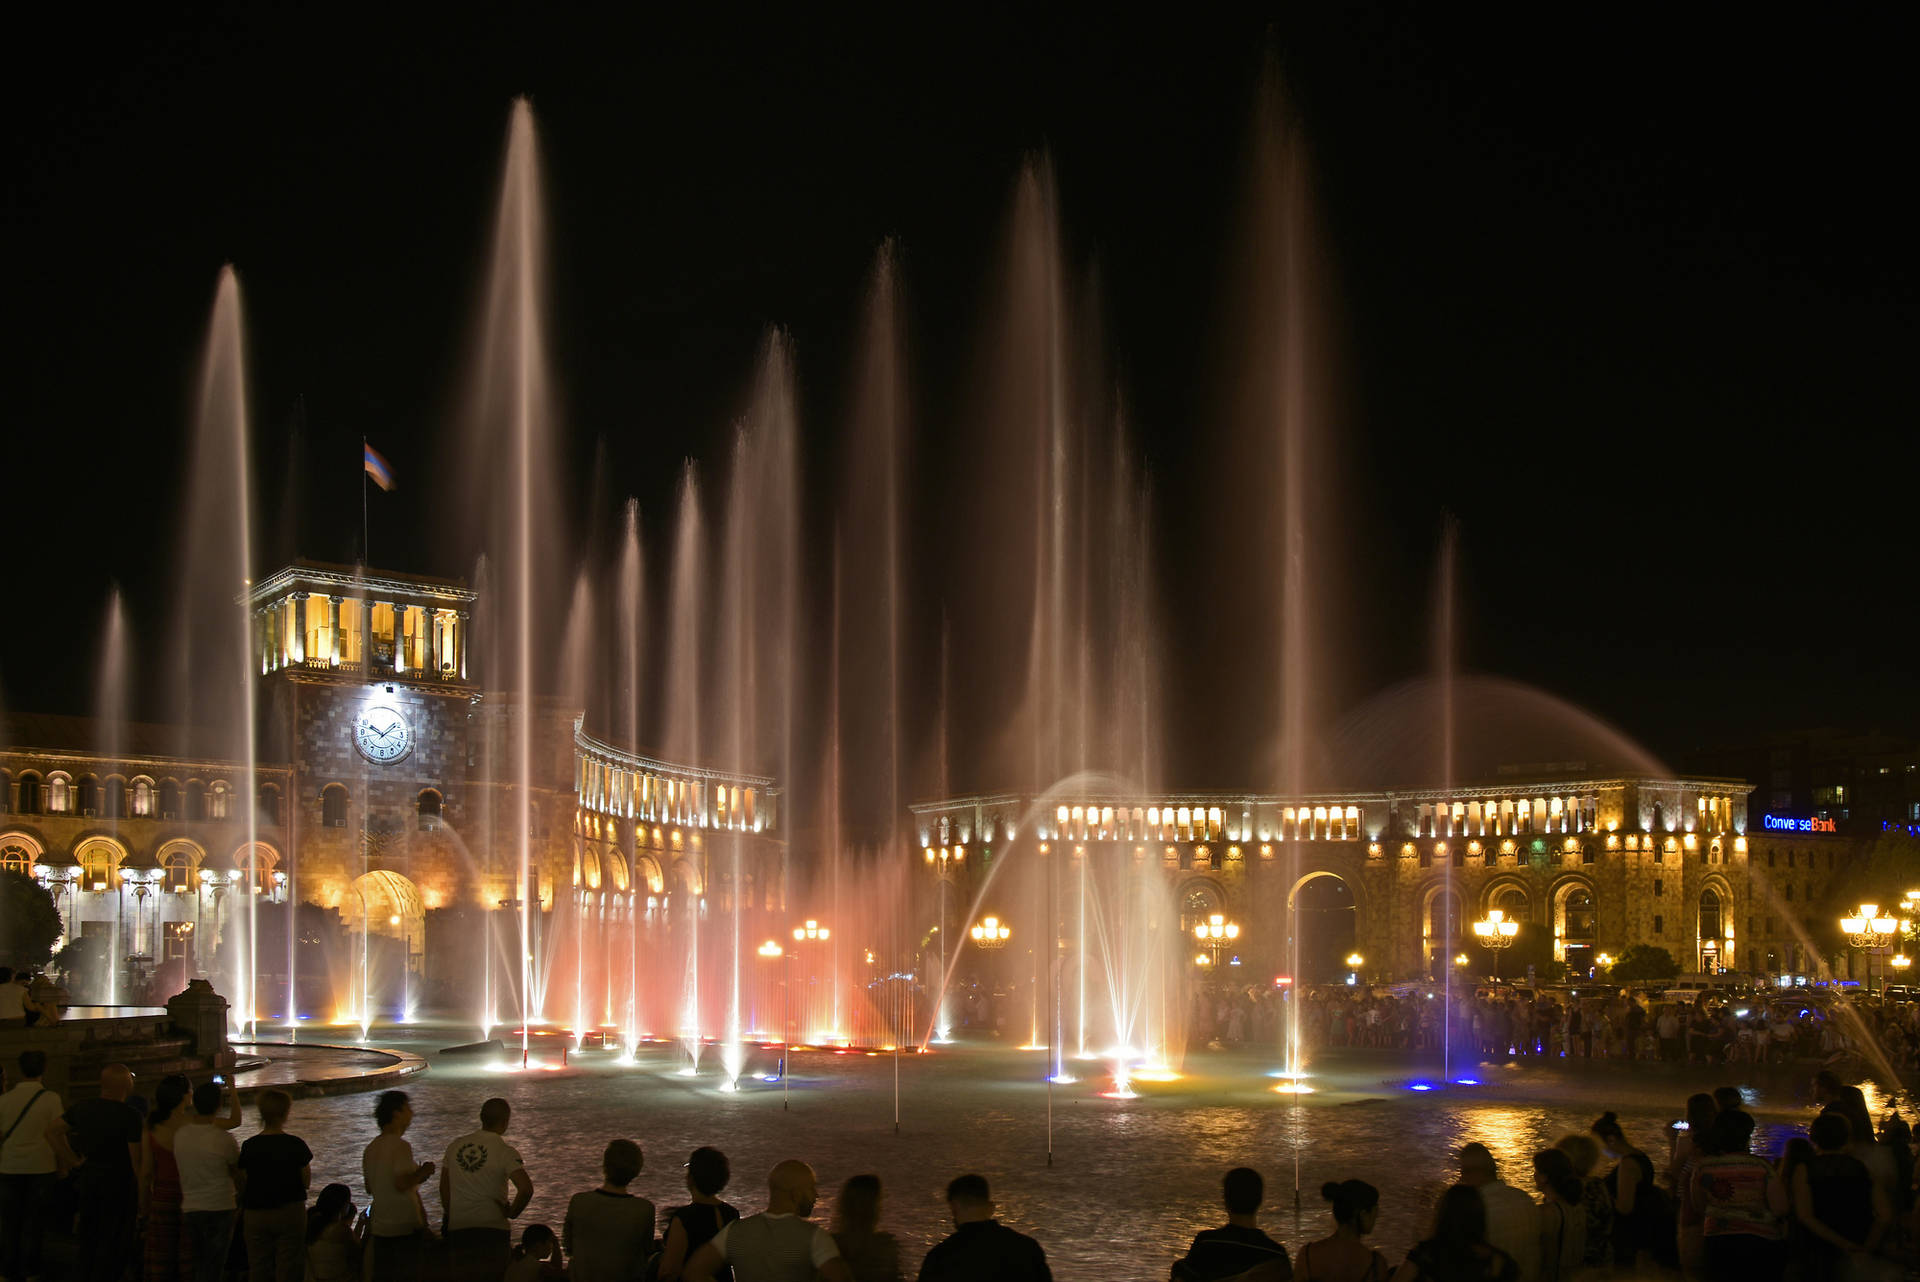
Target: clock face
[382,734]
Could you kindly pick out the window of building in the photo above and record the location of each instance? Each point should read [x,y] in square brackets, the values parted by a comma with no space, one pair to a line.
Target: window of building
[1658,889]
[177,864]
[143,798]
[196,800]
[1586,853]
[1710,917]
[169,799]
[16,858]
[1659,924]
[59,798]
[1426,857]
[1659,856]
[333,806]
[1786,892]
[116,799]
[269,803]
[1772,861]
[88,793]
[428,807]
[217,799]
[96,866]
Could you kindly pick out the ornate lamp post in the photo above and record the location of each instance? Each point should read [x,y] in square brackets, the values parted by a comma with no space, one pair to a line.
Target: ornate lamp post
[812,932]
[991,932]
[1900,962]
[1354,962]
[1868,931]
[947,864]
[58,880]
[1216,933]
[771,951]
[1497,934]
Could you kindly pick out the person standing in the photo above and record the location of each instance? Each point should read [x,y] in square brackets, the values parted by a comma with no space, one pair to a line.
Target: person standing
[1563,1221]
[273,1202]
[33,1150]
[1512,1217]
[608,1232]
[778,1245]
[980,1246]
[872,1255]
[1742,1201]
[397,1223]
[692,1226]
[106,1132]
[1345,1256]
[209,1163]
[1238,1245]
[1843,1215]
[476,1212]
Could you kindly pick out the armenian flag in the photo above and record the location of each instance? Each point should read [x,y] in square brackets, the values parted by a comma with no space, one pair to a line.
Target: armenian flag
[377,467]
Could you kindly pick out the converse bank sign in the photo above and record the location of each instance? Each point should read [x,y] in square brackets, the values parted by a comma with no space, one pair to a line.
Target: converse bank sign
[1787,823]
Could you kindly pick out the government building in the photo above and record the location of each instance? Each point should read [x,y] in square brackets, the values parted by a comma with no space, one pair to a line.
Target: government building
[380,822]
[1588,863]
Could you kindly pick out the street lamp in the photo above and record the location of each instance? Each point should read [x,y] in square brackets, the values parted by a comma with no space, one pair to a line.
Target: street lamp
[771,951]
[991,932]
[1603,960]
[1217,933]
[1868,931]
[1497,934]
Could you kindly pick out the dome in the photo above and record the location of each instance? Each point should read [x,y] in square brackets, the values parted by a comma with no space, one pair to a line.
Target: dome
[1502,729]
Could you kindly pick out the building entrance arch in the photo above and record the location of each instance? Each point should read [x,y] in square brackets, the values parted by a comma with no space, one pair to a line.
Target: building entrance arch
[1325,911]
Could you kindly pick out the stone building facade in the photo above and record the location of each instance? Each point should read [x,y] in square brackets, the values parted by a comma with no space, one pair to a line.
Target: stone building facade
[1590,864]
[390,801]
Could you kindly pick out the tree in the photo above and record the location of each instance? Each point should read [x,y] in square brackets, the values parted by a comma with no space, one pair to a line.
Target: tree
[1643,961]
[29,923]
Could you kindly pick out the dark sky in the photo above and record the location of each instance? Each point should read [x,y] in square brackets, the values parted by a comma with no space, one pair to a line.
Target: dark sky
[1635,301]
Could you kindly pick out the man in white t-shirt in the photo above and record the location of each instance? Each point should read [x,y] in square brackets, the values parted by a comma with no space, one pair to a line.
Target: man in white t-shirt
[34,1149]
[209,1161]
[476,1209]
[13,1001]
[778,1245]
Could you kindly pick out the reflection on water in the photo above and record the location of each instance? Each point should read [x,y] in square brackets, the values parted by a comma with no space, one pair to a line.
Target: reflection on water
[1132,1180]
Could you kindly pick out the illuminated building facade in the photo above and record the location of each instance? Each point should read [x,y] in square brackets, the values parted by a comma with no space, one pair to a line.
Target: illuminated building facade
[387,802]
[1589,864]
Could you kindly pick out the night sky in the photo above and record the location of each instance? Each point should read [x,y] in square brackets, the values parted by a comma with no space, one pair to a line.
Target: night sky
[1634,301]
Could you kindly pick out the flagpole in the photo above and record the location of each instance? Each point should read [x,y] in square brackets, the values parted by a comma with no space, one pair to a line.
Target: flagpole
[366,552]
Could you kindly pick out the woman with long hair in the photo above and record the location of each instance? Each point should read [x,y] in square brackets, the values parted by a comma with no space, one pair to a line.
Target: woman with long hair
[1583,1152]
[872,1256]
[1458,1250]
[1563,1220]
[1743,1205]
[1345,1256]
[1638,1207]
[163,1246]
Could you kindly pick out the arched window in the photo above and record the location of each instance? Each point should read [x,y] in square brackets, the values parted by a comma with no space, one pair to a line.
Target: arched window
[169,798]
[6,792]
[1710,914]
[269,803]
[15,857]
[196,799]
[176,865]
[333,806]
[29,803]
[427,805]
[258,863]
[59,794]
[1580,917]
[143,798]
[116,798]
[217,799]
[98,861]
[89,793]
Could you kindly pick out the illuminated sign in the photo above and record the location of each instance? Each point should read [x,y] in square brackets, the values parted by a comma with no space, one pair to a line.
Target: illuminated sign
[1787,823]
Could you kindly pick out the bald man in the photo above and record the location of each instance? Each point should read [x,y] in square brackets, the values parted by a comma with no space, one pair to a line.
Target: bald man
[778,1245]
[105,1132]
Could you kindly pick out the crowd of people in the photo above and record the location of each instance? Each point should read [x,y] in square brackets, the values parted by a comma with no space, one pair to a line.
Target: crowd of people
[166,1194]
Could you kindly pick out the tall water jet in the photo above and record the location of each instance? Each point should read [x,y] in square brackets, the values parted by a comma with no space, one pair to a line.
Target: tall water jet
[509,445]
[1446,660]
[110,714]
[686,899]
[213,664]
[632,624]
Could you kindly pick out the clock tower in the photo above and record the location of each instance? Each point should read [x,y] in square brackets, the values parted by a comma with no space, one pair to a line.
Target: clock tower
[366,694]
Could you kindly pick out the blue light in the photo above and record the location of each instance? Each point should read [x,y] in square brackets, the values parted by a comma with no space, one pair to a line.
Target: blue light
[1419,1086]
[1466,1081]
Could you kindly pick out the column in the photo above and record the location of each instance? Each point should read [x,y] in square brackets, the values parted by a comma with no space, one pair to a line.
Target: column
[333,628]
[299,627]
[460,644]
